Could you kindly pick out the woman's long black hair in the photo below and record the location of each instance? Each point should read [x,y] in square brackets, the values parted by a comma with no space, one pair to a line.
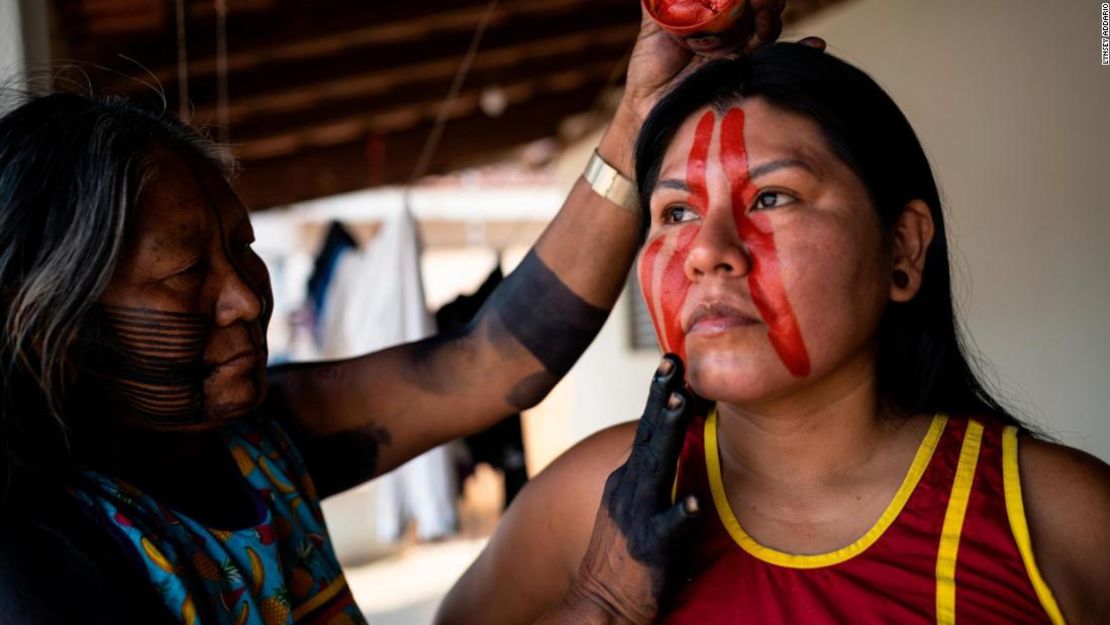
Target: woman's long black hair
[922,366]
[71,169]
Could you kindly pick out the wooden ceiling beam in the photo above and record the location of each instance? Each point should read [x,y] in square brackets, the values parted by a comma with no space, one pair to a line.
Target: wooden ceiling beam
[286,36]
[320,171]
[600,45]
[415,98]
[413,114]
[443,56]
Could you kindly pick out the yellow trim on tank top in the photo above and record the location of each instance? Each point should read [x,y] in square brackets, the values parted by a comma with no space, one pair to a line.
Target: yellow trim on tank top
[1015,510]
[953,526]
[813,561]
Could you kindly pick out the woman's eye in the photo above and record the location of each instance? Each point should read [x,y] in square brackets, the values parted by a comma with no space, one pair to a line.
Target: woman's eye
[193,270]
[678,214]
[772,199]
[190,274]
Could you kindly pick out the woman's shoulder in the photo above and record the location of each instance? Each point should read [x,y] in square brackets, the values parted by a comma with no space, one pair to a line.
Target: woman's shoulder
[1065,489]
[1066,493]
[577,477]
[547,528]
[600,453]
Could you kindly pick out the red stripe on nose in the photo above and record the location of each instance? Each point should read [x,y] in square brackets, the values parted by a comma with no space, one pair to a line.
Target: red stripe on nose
[765,277]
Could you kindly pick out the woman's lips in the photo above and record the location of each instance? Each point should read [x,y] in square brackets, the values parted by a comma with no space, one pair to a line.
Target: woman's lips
[244,360]
[717,318]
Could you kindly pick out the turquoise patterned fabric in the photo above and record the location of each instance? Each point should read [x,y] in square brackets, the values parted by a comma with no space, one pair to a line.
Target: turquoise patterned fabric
[282,570]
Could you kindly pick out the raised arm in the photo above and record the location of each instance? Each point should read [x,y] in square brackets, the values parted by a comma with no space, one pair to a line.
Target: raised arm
[358,418]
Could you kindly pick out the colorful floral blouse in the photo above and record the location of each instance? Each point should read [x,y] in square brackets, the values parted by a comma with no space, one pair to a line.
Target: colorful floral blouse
[281,570]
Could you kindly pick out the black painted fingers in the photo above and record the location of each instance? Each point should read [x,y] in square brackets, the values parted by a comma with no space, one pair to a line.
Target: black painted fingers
[638,494]
[638,528]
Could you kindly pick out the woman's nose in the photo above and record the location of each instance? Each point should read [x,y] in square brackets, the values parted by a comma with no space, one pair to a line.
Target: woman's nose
[239,298]
[717,251]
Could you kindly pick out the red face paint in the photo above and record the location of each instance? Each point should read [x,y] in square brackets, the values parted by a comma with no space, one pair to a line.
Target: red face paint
[666,298]
[764,277]
[665,288]
[673,290]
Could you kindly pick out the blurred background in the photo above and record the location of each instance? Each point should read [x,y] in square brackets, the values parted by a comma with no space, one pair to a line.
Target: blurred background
[401,157]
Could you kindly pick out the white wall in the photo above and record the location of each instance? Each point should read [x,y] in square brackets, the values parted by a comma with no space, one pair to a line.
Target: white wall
[11,42]
[1011,102]
[24,45]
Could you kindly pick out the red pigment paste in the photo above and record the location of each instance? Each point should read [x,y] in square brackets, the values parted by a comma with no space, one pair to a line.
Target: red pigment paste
[688,12]
[764,278]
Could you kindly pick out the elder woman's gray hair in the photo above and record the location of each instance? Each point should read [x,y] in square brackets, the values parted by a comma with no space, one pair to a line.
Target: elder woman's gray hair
[71,169]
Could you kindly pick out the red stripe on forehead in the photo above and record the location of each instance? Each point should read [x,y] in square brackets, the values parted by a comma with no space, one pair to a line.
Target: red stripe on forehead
[764,277]
[695,165]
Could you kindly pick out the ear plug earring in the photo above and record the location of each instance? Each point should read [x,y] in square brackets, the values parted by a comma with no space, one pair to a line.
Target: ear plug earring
[901,279]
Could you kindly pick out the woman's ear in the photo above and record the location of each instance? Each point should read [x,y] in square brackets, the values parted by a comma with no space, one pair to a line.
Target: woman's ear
[913,232]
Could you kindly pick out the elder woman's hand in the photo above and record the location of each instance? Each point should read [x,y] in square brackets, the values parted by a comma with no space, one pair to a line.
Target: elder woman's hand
[658,62]
[637,527]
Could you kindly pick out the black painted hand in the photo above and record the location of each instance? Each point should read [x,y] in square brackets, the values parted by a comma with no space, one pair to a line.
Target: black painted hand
[638,527]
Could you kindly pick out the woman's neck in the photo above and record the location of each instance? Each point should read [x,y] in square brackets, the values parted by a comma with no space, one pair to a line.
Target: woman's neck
[830,428]
[814,471]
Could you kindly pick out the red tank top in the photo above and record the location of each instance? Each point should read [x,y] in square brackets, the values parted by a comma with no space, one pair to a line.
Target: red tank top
[952,546]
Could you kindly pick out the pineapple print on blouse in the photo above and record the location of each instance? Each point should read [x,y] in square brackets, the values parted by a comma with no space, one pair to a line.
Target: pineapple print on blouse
[281,570]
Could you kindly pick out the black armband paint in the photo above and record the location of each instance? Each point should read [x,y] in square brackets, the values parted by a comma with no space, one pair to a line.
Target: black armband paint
[551,321]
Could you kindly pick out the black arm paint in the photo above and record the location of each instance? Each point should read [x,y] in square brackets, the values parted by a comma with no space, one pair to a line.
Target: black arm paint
[532,309]
[551,321]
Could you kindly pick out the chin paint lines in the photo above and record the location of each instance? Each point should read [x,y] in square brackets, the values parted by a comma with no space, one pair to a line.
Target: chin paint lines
[665,289]
[149,361]
[764,277]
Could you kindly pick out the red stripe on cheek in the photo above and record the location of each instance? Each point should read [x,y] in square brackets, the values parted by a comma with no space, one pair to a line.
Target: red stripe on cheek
[765,277]
[666,311]
[674,285]
[673,291]
[647,285]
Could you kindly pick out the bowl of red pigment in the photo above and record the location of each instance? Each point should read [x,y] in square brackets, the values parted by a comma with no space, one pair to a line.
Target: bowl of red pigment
[703,26]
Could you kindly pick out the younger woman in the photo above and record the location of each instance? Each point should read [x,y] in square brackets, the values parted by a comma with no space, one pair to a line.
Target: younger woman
[849,465]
